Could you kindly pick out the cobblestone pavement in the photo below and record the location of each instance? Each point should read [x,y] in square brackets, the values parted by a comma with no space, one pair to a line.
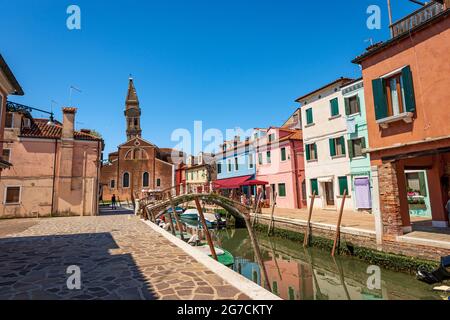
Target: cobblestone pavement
[119,256]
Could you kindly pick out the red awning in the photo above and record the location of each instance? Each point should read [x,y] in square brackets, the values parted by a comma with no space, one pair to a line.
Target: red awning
[255,183]
[231,183]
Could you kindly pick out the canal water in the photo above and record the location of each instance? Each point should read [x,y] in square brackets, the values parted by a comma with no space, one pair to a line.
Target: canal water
[296,273]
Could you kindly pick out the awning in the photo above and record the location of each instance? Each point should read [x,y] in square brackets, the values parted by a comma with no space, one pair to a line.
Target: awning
[255,183]
[231,183]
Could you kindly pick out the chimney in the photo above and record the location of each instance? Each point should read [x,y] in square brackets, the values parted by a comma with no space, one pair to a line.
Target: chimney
[68,122]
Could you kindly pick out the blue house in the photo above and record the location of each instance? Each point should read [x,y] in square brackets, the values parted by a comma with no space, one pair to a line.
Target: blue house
[236,165]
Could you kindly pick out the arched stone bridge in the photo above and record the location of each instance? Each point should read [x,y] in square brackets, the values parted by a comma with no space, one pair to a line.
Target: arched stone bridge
[236,209]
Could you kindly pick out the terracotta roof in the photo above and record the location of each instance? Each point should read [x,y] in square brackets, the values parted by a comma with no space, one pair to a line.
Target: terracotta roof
[40,129]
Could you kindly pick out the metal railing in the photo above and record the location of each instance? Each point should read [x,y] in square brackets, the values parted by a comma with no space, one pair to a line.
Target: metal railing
[416,18]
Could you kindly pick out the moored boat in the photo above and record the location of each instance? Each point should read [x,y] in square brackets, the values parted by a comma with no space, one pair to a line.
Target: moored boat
[223,256]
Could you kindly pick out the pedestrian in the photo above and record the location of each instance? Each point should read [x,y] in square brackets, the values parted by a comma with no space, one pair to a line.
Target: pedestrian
[113,202]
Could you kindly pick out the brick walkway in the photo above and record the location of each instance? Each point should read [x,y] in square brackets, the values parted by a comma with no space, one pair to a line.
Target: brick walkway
[119,256]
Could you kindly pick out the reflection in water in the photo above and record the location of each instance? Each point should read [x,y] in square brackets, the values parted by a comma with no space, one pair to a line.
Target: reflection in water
[295,273]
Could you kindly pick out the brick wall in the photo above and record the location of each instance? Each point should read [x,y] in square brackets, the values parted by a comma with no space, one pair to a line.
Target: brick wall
[390,201]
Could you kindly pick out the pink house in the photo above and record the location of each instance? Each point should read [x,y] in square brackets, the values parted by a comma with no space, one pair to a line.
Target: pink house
[279,162]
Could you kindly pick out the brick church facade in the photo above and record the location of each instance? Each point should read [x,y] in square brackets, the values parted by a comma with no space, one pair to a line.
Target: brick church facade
[138,166]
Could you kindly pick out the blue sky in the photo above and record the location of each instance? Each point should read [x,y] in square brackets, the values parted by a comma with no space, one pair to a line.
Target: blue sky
[227,63]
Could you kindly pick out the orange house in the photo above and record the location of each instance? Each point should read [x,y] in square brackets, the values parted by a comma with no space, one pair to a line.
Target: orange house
[407,91]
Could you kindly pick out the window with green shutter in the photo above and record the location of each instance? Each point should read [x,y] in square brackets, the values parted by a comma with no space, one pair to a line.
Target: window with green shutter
[334,105]
[379,98]
[309,116]
[308,152]
[332,147]
[408,89]
[314,186]
[269,155]
[283,154]
[260,158]
[343,185]
[352,105]
[311,152]
[337,147]
[282,190]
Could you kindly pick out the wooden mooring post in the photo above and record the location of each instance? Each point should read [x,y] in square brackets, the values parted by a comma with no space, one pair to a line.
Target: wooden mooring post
[272,220]
[338,226]
[205,229]
[308,224]
[177,219]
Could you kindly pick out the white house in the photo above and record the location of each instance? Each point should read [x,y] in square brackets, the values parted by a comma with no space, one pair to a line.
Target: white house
[327,164]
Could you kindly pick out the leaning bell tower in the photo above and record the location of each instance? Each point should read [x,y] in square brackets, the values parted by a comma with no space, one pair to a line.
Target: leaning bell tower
[132,112]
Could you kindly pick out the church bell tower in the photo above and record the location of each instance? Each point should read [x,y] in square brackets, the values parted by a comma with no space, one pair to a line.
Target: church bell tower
[132,113]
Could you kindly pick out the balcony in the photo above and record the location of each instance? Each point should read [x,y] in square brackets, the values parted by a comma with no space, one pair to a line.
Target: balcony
[416,18]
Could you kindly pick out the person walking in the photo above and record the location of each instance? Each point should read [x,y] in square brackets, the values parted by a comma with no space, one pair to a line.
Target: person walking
[113,202]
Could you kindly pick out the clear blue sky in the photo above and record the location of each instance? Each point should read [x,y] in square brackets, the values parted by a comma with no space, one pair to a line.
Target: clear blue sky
[228,63]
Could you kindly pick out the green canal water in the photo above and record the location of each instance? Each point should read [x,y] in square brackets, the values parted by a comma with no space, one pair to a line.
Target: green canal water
[298,274]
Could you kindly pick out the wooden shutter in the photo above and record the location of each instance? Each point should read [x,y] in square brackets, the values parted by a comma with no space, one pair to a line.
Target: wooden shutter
[408,88]
[347,106]
[363,143]
[343,185]
[379,98]
[308,153]
[334,107]
[343,145]
[350,148]
[358,103]
[315,151]
[332,148]
[314,186]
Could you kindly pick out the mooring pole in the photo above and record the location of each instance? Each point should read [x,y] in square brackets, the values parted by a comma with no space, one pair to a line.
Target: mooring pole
[179,225]
[255,245]
[205,228]
[338,226]
[172,226]
[308,224]
[255,218]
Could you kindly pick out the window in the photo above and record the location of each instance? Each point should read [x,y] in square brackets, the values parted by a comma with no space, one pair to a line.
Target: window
[283,154]
[275,288]
[250,162]
[158,182]
[260,158]
[291,293]
[126,180]
[394,95]
[356,146]
[352,105]
[343,185]
[219,168]
[311,152]
[272,137]
[9,123]
[314,186]
[6,155]
[112,184]
[236,164]
[12,195]
[337,147]
[269,159]
[282,190]
[145,179]
[230,166]
[309,116]
[334,105]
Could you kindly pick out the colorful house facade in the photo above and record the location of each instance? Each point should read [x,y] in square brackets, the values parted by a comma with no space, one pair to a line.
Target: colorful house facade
[327,164]
[235,166]
[407,82]
[357,141]
[280,165]
[56,169]
[200,172]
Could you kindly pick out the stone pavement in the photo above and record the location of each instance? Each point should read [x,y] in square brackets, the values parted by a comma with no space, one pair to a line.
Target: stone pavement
[119,256]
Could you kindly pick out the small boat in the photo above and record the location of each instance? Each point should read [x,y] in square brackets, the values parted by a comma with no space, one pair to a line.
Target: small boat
[212,221]
[178,210]
[437,276]
[223,256]
[190,214]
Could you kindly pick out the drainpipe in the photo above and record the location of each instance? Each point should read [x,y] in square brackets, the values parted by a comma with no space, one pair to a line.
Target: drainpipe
[54,177]
[97,187]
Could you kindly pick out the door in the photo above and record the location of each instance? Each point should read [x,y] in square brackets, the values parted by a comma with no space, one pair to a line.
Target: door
[329,193]
[362,193]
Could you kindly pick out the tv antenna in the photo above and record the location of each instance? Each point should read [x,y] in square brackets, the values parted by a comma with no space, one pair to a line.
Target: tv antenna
[72,88]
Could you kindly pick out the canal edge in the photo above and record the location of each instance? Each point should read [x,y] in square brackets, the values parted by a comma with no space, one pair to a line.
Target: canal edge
[246,286]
